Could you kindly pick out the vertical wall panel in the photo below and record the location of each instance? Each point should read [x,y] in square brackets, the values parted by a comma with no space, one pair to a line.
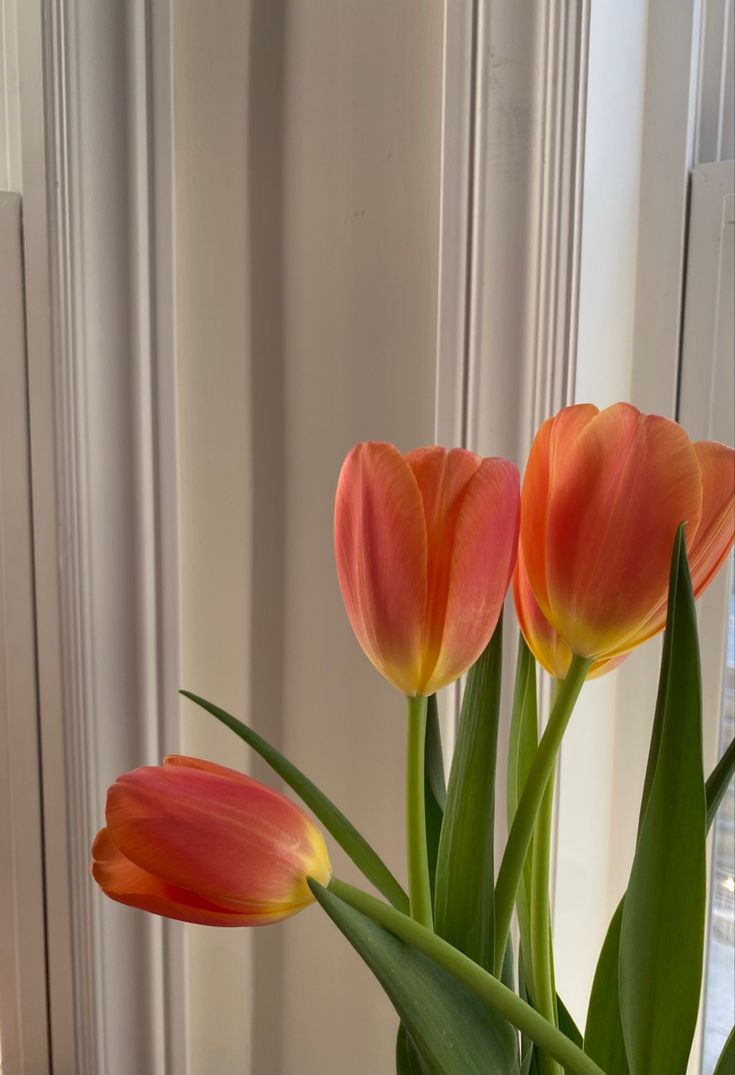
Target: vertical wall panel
[211,68]
[308,162]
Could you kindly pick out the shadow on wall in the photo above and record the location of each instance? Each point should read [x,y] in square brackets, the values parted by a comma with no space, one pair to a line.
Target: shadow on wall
[265,224]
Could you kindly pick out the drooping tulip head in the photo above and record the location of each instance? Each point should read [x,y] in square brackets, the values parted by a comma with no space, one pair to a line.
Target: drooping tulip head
[195,841]
[425,546]
[603,495]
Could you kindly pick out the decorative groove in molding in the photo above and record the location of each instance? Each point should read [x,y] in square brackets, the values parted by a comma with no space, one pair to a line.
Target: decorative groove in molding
[515,91]
[512,172]
[458,165]
[108,143]
[715,125]
[556,309]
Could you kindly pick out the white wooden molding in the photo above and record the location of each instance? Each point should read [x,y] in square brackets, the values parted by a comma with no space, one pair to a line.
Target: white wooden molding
[715,124]
[668,139]
[513,157]
[707,411]
[96,140]
[23,987]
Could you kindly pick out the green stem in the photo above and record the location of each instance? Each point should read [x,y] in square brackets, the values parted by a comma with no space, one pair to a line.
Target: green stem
[524,822]
[419,887]
[542,972]
[491,991]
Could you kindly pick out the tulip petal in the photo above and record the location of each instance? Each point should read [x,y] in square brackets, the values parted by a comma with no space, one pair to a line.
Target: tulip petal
[480,557]
[123,881]
[619,491]
[708,547]
[186,762]
[381,552]
[217,836]
[539,481]
[716,532]
[546,644]
[442,477]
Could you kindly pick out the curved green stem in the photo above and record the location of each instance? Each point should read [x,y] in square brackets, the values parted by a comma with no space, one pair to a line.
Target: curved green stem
[524,822]
[419,887]
[542,971]
[491,991]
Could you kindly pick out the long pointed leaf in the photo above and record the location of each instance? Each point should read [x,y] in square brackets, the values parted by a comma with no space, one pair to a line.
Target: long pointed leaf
[451,1028]
[490,990]
[603,1035]
[603,1038]
[521,749]
[408,1058]
[343,831]
[465,866]
[718,780]
[435,794]
[662,930]
[726,1063]
[567,1024]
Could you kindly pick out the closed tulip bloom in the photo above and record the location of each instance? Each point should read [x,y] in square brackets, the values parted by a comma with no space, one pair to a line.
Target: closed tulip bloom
[603,496]
[198,842]
[425,546]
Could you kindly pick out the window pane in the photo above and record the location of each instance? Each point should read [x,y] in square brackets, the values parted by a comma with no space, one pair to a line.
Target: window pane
[719,1005]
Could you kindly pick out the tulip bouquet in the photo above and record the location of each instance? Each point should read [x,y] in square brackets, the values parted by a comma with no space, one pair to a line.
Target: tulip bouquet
[426,547]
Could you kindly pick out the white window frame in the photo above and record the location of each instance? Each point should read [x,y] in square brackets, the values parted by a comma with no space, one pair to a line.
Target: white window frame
[518,309]
[23,992]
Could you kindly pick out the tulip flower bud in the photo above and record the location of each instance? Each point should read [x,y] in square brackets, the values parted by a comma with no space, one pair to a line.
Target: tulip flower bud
[603,496]
[198,842]
[425,546]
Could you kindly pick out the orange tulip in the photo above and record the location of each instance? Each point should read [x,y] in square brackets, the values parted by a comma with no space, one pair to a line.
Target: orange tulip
[603,496]
[425,546]
[198,842]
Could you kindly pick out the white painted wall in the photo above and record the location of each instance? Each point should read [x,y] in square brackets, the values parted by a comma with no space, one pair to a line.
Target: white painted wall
[586,892]
[308,164]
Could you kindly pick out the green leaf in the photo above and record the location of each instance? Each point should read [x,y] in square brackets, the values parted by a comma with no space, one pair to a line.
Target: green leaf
[603,1036]
[435,794]
[496,997]
[604,1032]
[343,831]
[452,1029]
[522,746]
[718,780]
[567,1024]
[465,867]
[507,972]
[726,1063]
[530,1058]
[662,929]
[408,1059]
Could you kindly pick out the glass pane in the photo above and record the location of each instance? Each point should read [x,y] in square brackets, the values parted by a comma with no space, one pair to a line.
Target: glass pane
[719,1004]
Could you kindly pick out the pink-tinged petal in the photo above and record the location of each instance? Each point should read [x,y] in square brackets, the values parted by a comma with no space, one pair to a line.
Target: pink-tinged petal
[707,549]
[443,479]
[622,487]
[123,881]
[480,557]
[226,839]
[716,532]
[381,552]
[204,766]
[545,462]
